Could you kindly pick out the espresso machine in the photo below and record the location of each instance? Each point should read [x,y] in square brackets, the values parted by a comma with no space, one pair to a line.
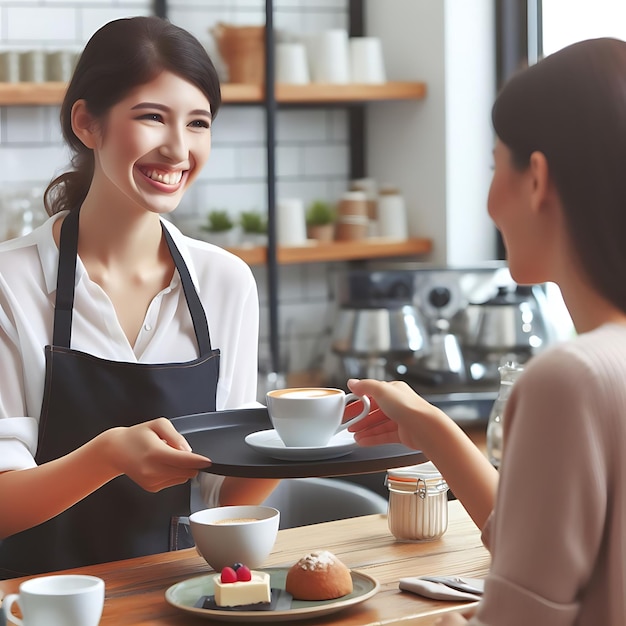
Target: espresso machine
[444,331]
[377,321]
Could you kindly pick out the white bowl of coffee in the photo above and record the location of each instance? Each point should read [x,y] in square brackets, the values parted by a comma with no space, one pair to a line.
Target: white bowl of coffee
[227,535]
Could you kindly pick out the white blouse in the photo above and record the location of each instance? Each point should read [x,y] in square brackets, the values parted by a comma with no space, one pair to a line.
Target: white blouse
[28,274]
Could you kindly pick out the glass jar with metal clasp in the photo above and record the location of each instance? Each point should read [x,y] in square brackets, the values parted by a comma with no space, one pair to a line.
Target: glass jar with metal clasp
[418,503]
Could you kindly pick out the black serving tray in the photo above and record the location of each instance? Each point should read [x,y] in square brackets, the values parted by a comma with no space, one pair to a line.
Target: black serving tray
[220,437]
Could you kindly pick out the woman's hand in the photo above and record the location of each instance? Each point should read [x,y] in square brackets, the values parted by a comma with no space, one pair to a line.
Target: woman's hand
[397,414]
[152,454]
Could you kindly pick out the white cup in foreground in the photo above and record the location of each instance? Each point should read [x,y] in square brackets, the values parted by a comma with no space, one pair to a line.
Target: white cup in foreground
[62,600]
[235,534]
[310,416]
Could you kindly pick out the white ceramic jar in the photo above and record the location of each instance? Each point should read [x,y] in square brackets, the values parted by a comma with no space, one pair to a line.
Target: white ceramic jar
[392,217]
[418,503]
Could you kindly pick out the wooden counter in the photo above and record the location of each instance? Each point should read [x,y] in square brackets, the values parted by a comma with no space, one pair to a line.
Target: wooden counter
[135,589]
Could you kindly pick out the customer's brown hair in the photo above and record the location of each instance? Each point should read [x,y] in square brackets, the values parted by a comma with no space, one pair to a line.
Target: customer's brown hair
[120,56]
[571,106]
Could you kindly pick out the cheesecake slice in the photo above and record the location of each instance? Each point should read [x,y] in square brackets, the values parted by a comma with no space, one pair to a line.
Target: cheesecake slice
[241,593]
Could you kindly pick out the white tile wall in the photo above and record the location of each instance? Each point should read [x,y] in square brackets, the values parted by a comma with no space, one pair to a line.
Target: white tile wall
[312,151]
[24,24]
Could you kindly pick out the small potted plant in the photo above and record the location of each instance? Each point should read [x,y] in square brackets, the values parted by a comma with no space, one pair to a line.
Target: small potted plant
[219,228]
[320,221]
[254,227]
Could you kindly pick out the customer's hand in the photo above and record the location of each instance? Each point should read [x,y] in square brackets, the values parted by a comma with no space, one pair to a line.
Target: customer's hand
[398,414]
[153,454]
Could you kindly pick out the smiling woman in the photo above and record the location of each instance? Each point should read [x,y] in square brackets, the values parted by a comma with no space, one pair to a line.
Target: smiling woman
[151,147]
[112,321]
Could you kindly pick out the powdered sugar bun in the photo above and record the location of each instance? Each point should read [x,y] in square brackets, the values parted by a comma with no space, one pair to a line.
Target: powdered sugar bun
[318,575]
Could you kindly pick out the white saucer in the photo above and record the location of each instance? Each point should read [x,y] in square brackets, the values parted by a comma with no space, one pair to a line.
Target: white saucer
[268,442]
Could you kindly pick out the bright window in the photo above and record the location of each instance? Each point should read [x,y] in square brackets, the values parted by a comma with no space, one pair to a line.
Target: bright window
[568,21]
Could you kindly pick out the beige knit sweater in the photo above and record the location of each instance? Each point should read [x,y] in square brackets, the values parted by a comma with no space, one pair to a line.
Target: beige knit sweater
[558,531]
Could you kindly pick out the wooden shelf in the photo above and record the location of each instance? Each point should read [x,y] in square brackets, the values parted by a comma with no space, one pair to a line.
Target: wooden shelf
[328,94]
[21,94]
[373,248]
[32,94]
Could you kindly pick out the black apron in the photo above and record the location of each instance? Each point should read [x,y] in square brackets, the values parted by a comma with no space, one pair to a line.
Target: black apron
[85,396]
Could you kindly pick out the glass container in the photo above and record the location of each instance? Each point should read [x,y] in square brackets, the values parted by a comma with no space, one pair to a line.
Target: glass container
[509,373]
[418,503]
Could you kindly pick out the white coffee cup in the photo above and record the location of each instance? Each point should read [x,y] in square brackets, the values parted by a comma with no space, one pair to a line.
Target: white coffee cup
[292,67]
[61,600]
[366,60]
[309,417]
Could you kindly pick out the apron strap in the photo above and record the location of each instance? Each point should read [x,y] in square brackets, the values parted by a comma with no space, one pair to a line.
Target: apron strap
[66,282]
[196,309]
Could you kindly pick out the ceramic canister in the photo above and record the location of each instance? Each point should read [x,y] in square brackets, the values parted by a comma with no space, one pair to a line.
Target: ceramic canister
[290,222]
[392,219]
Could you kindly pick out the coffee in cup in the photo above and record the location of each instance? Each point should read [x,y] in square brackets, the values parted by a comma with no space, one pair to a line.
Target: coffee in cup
[310,416]
[235,534]
[61,600]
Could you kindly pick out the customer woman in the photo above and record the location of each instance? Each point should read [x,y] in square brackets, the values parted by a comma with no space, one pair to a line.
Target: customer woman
[558,197]
[105,314]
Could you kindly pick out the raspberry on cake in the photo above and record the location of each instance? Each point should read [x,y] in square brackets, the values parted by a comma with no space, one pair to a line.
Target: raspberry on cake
[318,576]
[238,586]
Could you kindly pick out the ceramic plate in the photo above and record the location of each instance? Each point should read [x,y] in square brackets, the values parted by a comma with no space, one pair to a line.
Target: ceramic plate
[185,595]
[268,442]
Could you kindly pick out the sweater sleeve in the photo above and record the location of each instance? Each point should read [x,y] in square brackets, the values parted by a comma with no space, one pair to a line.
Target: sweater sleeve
[547,526]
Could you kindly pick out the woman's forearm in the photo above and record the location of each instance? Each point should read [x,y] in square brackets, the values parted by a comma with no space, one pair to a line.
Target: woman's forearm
[37,494]
[470,476]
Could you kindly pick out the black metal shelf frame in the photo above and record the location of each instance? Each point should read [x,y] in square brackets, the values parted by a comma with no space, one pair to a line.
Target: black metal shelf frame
[356,137]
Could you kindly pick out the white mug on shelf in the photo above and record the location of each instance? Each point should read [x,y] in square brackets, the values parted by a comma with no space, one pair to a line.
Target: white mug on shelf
[292,66]
[366,60]
[290,222]
[60,65]
[332,57]
[392,217]
[9,66]
[33,66]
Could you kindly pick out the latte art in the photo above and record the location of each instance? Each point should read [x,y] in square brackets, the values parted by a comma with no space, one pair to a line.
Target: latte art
[304,393]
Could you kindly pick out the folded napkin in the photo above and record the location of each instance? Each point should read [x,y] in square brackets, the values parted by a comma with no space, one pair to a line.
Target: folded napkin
[439,590]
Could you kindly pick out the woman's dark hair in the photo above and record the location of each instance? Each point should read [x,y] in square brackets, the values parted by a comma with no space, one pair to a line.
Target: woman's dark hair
[571,106]
[120,56]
